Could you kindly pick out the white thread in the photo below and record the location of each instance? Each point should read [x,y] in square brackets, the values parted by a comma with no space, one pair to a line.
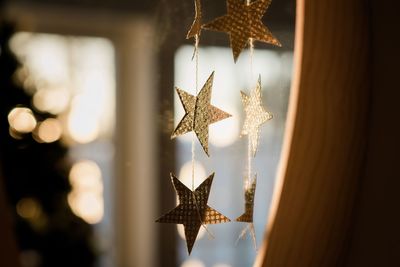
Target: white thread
[196,51]
[196,55]
[247,180]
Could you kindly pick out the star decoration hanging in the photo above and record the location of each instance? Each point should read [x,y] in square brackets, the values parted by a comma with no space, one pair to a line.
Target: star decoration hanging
[255,116]
[249,194]
[193,211]
[247,216]
[199,113]
[243,22]
[195,29]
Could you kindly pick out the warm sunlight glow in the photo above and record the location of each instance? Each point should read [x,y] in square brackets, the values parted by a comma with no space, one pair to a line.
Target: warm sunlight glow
[86,199]
[53,101]
[229,158]
[83,124]
[185,174]
[44,54]
[88,206]
[22,120]
[72,77]
[49,130]
[193,263]
[225,132]
[86,175]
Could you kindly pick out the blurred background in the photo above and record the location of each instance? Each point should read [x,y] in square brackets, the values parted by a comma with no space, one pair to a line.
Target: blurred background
[87,107]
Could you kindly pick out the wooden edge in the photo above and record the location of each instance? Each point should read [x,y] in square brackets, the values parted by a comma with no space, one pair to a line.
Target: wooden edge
[322,155]
[290,122]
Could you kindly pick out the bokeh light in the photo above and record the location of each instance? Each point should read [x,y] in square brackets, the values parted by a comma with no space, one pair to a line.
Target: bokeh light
[14,134]
[49,130]
[83,124]
[44,54]
[72,78]
[22,120]
[88,206]
[53,101]
[86,199]
[30,258]
[86,175]
[28,208]
[222,265]
[193,263]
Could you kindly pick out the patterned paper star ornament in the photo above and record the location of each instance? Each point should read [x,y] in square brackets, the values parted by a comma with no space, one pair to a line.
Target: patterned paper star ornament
[249,195]
[243,22]
[195,29]
[199,113]
[193,211]
[247,216]
[255,116]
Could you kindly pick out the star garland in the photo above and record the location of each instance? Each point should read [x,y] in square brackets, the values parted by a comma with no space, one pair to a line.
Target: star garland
[195,29]
[255,116]
[247,216]
[243,24]
[193,210]
[199,113]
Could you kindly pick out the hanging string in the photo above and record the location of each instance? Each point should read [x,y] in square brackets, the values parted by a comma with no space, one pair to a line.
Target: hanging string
[196,57]
[247,182]
[250,228]
[251,45]
[248,178]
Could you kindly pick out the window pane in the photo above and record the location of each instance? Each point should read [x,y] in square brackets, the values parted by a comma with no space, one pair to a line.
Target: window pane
[229,151]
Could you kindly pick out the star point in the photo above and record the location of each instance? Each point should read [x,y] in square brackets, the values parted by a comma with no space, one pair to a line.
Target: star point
[195,29]
[192,210]
[249,195]
[199,114]
[243,23]
[256,115]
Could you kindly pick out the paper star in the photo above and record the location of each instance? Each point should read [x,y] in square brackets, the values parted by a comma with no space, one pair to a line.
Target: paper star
[255,116]
[199,113]
[247,216]
[193,210]
[243,22]
[249,194]
[196,26]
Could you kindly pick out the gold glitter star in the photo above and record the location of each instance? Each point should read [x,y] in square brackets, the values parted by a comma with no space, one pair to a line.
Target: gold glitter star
[255,116]
[199,113]
[193,211]
[243,22]
[247,216]
[249,194]
[196,26]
